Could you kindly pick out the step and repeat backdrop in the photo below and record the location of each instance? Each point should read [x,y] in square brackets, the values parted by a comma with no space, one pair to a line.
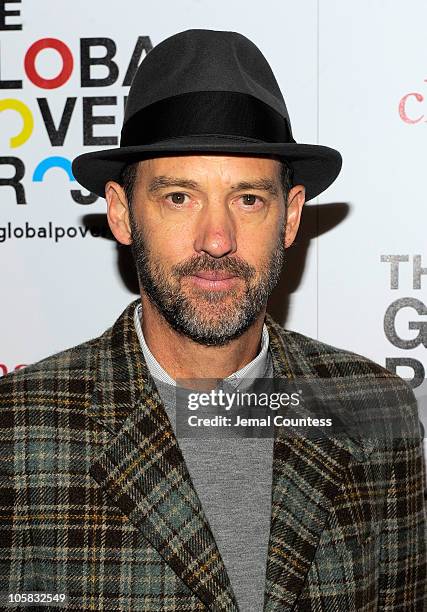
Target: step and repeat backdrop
[354,77]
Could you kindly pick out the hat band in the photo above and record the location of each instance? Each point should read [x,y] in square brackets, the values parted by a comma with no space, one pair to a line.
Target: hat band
[209,113]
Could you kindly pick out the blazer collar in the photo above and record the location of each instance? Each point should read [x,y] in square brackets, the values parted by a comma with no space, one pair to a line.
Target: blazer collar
[143,472]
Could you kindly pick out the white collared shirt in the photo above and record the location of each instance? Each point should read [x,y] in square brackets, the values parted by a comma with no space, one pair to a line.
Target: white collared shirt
[254,369]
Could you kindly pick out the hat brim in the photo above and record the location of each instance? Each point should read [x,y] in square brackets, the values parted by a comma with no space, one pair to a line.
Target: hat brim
[314,166]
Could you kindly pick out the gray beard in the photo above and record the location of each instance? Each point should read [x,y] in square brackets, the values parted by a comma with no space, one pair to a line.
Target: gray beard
[224,319]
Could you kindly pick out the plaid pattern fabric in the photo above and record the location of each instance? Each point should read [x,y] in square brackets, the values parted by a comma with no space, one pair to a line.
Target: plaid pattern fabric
[96,501]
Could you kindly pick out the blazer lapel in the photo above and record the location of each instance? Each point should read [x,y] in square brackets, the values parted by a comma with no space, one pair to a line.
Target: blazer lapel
[308,472]
[142,469]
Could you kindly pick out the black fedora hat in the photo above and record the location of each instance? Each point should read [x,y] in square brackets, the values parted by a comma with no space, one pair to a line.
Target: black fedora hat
[205,91]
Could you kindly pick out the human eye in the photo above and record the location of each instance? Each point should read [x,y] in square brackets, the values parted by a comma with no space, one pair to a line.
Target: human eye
[177,198]
[250,200]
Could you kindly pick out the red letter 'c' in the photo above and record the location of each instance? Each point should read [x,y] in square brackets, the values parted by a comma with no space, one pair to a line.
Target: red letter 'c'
[402,108]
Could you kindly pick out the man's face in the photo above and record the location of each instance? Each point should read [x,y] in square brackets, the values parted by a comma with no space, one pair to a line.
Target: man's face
[208,241]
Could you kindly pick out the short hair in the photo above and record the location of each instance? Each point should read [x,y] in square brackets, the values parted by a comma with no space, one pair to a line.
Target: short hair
[129,173]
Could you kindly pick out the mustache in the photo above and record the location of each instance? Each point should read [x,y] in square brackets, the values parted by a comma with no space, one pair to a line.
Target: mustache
[205,263]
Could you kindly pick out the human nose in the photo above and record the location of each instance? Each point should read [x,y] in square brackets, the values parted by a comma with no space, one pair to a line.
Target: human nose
[215,232]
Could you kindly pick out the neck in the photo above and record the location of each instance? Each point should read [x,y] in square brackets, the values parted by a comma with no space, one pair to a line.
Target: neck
[183,358]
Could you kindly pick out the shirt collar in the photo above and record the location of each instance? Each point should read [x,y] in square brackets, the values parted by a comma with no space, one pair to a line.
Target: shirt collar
[254,369]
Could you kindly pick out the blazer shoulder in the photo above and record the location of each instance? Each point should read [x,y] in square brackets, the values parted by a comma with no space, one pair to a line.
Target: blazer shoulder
[332,361]
[72,364]
[342,366]
[364,385]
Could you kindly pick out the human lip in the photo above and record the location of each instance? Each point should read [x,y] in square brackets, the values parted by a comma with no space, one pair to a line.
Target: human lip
[214,279]
[215,275]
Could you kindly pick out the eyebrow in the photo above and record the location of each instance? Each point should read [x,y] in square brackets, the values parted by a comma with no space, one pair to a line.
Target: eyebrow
[263,184]
[160,182]
[260,184]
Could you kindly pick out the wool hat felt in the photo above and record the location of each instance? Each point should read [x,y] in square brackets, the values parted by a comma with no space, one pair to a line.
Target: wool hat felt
[205,91]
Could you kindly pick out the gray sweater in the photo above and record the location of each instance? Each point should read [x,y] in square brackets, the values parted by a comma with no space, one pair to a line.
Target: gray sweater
[232,477]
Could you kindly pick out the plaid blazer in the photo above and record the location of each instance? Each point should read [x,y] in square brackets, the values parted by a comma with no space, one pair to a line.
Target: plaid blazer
[96,501]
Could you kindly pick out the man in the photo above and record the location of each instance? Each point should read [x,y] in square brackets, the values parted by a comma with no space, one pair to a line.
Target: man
[102,499]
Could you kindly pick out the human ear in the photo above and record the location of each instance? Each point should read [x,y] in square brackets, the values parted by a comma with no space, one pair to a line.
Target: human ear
[118,212]
[296,200]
